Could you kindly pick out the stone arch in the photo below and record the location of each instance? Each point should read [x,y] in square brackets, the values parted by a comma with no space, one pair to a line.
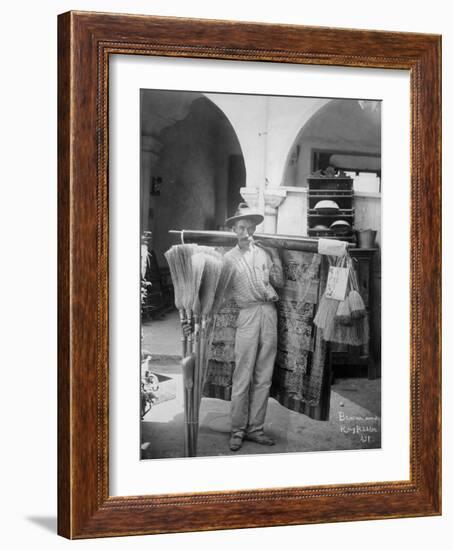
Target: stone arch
[188,144]
[346,126]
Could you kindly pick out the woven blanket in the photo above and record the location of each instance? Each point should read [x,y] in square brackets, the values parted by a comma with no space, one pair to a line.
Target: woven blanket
[300,367]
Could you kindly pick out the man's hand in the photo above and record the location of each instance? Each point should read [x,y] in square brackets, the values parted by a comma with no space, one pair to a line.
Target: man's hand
[186,328]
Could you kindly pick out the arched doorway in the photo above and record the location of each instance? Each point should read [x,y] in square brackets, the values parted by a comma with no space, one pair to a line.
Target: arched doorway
[343,133]
[192,165]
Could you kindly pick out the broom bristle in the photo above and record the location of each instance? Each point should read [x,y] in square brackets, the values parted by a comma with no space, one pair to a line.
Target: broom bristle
[188,277]
[356,305]
[179,258]
[209,282]
[171,257]
[223,286]
[210,279]
[198,264]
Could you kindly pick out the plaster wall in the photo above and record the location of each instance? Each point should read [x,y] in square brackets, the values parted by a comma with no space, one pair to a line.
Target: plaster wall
[292,214]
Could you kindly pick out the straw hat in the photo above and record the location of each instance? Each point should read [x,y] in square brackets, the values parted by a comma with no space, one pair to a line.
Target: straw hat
[245,212]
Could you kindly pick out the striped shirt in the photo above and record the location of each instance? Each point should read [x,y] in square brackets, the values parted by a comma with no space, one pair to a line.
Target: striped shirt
[253,275]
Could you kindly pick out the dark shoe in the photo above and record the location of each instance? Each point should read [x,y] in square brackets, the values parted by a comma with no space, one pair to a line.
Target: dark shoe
[235,442]
[260,438]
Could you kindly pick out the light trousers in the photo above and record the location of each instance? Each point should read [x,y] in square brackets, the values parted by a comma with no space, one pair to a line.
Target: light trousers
[254,351]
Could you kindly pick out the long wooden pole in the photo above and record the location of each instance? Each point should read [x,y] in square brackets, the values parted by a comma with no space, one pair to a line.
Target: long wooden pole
[227,238]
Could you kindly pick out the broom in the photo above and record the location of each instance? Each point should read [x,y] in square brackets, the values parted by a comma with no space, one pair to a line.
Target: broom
[198,264]
[327,308]
[180,264]
[221,293]
[188,294]
[185,277]
[201,272]
[209,282]
[224,285]
[172,260]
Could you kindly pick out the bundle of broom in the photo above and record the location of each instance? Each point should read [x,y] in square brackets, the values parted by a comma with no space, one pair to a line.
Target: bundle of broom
[201,279]
[186,276]
[213,290]
[179,258]
[350,323]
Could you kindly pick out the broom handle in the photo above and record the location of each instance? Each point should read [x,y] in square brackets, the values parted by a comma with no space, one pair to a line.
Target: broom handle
[206,340]
[182,319]
[188,374]
[190,338]
[196,376]
[199,380]
[197,386]
[186,422]
[185,382]
[191,420]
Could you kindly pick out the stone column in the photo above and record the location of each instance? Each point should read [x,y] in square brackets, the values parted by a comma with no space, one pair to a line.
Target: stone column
[273,198]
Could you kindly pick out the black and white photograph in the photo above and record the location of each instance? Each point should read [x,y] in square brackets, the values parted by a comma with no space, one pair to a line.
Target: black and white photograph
[260,274]
[226,333]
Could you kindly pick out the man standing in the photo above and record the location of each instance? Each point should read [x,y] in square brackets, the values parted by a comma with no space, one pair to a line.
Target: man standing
[257,271]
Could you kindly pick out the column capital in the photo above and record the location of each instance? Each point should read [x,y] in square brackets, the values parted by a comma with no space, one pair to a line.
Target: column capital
[251,195]
[273,197]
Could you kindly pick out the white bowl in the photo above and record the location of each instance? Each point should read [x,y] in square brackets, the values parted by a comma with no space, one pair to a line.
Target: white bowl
[327,207]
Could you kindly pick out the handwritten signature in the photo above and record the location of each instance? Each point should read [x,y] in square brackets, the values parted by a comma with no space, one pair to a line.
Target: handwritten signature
[364,431]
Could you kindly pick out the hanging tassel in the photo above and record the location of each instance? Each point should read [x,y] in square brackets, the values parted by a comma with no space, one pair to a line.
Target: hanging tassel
[356,334]
[343,315]
[356,305]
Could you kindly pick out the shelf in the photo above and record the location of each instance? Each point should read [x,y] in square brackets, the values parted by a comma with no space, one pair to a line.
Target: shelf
[339,214]
[325,192]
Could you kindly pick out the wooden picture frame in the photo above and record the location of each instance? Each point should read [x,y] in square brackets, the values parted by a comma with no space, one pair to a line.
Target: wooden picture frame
[85,41]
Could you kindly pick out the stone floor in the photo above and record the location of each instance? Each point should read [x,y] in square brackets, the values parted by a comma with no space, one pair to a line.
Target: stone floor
[354,423]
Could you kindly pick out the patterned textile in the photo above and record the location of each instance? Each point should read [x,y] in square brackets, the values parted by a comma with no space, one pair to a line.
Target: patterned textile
[300,372]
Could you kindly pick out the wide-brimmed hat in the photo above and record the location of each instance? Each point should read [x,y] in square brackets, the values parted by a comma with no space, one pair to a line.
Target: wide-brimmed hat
[245,212]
